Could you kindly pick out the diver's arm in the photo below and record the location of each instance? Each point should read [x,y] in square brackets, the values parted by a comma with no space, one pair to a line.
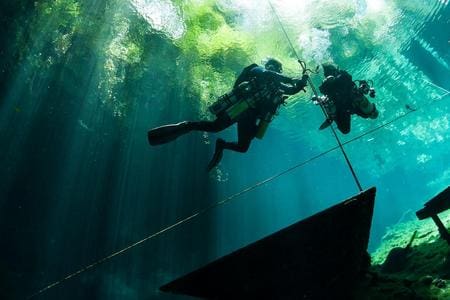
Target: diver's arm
[288,85]
[297,86]
[269,75]
[279,78]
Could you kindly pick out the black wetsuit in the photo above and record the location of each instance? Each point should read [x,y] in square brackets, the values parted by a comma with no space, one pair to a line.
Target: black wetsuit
[247,122]
[341,90]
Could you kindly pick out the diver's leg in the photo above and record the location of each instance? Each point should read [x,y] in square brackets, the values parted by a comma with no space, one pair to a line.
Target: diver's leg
[330,109]
[343,119]
[246,132]
[167,133]
[217,125]
[218,153]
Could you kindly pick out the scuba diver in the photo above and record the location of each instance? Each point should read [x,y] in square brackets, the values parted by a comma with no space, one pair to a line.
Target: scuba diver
[256,96]
[344,97]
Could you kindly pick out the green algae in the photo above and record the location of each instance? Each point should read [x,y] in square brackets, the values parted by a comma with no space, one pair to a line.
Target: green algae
[426,271]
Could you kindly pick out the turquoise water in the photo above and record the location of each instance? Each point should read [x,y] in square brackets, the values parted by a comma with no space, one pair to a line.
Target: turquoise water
[81,83]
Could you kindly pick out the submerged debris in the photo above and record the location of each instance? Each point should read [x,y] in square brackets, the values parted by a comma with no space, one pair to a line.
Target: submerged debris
[398,257]
[421,271]
[436,205]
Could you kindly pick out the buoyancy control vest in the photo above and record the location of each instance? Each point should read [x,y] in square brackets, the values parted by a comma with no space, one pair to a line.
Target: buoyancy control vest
[246,93]
[241,89]
[345,94]
[339,89]
[245,75]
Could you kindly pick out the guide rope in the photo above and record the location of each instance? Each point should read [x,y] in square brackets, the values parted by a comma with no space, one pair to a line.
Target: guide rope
[313,88]
[210,207]
[409,110]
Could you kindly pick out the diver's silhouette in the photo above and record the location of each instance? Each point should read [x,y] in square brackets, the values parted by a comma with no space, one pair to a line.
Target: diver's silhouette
[256,96]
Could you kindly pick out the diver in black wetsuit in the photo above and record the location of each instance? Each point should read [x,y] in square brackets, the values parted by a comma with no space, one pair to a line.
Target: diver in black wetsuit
[344,98]
[254,100]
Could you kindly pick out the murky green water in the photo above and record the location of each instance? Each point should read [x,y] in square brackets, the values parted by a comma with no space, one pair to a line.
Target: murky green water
[81,82]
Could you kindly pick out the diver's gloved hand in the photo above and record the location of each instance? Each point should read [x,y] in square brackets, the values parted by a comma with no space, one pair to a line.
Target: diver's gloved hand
[302,83]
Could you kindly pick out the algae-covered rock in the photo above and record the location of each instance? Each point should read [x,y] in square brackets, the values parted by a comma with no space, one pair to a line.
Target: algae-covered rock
[414,269]
[398,257]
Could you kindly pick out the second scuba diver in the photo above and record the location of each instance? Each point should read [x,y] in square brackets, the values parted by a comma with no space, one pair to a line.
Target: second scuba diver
[256,96]
[343,98]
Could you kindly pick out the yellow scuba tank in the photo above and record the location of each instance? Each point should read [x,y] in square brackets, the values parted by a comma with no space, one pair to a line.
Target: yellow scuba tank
[240,107]
[248,100]
[222,103]
[268,116]
[228,100]
[367,108]
[263,125]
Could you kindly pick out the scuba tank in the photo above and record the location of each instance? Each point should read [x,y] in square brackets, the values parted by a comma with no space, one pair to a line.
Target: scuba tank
[236,110]
[366,87]
[246,99]
[229,99]
[240,89]
[239,100]
[268,117]
[366,108]
[263,125]
[361,103]
[222,103]
[249,100]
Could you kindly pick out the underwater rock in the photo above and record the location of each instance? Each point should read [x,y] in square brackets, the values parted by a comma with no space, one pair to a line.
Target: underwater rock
[396,260]
[398,257]
[439,283]
[445,273]
[383,287]
[426,280]
[421,272]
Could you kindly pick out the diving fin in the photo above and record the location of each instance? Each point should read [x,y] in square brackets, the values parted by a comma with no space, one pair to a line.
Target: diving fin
[326,124]
[167,133]
[217,157]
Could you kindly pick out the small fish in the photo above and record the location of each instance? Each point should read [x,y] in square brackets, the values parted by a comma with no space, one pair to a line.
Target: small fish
[17,109]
